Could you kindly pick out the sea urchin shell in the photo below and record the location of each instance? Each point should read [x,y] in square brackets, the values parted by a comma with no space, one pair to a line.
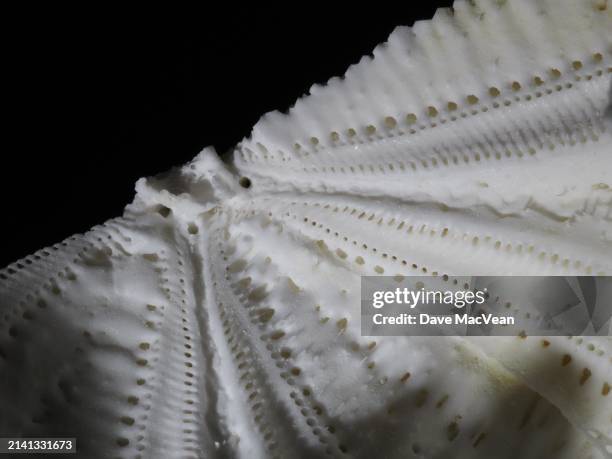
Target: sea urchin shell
[219,316]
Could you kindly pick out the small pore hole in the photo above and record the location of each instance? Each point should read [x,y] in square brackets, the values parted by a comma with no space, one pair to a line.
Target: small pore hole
[163,211]
[245,182]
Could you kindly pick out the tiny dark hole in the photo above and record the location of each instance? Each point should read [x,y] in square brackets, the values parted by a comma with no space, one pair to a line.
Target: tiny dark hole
[164,211]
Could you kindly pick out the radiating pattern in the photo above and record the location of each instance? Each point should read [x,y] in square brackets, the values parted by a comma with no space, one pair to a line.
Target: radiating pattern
[219,317]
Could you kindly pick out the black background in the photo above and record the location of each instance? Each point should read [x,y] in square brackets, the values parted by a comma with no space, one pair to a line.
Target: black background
[97,99]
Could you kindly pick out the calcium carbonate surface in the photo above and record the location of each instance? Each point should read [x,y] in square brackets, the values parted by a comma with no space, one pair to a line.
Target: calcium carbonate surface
[220,315]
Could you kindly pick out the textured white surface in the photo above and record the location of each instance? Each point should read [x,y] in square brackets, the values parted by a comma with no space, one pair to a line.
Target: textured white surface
[214,321]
